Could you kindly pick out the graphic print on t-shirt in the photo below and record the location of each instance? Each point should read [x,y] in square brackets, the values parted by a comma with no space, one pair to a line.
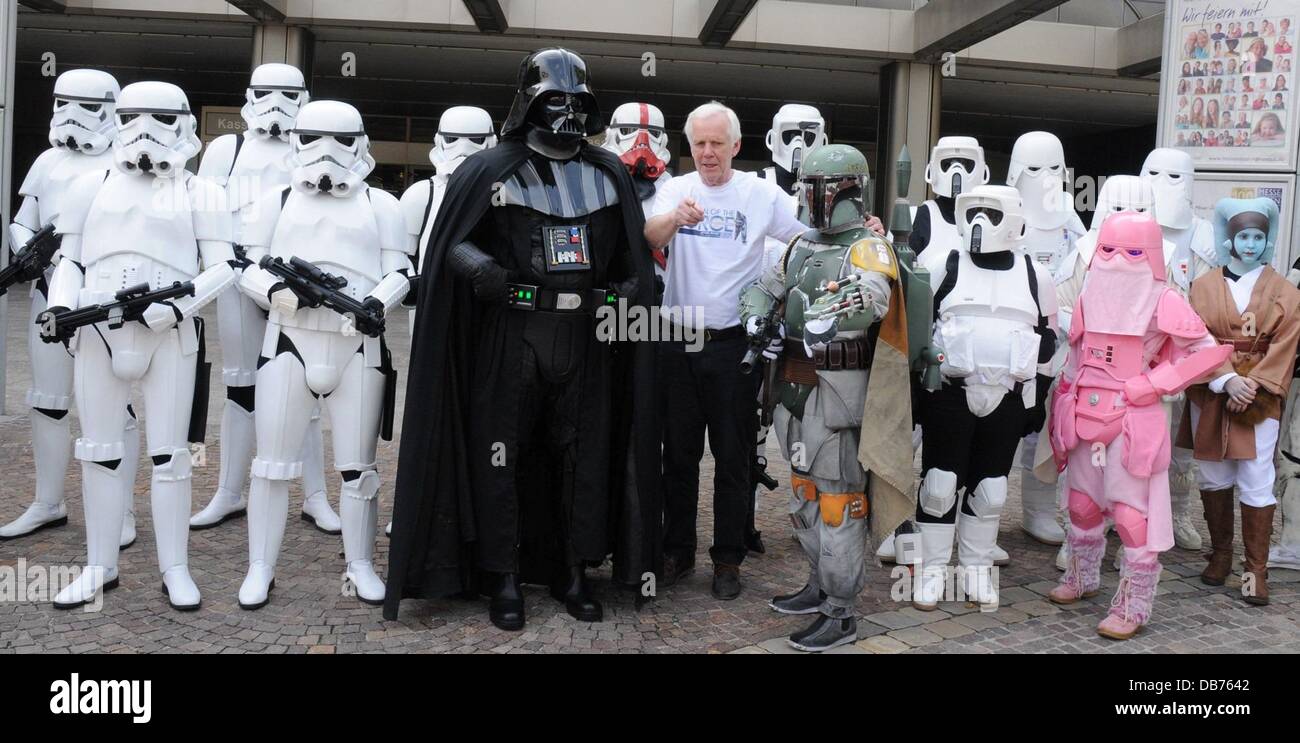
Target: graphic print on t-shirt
[726,224]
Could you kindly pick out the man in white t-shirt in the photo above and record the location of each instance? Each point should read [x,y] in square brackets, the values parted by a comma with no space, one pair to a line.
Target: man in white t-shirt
[717,219]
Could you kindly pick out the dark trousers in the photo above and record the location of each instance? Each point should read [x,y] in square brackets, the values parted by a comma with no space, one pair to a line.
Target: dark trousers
[956,440]
[704,390]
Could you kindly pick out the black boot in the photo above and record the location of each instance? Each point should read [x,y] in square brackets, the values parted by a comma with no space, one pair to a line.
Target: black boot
[577,600]
[506,609]
[804,601]
[825,633]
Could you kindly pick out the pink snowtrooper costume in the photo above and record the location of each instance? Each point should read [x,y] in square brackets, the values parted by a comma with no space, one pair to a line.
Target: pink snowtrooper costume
[1132,340]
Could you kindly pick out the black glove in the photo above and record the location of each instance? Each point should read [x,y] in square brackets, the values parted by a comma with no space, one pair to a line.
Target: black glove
[485,275]
[1037,415]
[60,334]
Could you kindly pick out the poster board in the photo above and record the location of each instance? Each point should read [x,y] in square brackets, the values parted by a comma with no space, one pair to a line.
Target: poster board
[1234,61]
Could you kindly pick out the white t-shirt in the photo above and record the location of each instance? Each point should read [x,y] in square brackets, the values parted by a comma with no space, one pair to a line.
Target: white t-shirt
[714,261]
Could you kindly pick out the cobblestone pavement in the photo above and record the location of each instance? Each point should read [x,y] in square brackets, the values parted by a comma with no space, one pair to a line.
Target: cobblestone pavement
[308,612]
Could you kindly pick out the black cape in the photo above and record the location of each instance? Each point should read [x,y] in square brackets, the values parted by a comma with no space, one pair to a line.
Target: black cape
[431,549]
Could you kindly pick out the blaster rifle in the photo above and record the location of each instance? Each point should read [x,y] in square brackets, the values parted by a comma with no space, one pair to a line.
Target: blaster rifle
[129,304]
[30,262]
[317,288]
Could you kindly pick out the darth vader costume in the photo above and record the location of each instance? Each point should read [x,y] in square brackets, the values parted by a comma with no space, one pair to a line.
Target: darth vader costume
[529,450]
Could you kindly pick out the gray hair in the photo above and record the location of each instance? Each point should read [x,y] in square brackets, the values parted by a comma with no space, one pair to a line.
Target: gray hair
[713,108]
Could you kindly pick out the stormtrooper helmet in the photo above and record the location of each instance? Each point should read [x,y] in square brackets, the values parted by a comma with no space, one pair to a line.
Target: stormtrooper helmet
[1127,239]
[84,101]
[796,131]
[156,132]
[462,131]
[1172,178]
[329,149]
[1038,171]
[275,94]
[956,166]
[990,219]
[1121,193]
[636,134]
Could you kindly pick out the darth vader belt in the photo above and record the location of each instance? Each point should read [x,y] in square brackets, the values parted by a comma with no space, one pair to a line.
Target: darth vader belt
[530,297]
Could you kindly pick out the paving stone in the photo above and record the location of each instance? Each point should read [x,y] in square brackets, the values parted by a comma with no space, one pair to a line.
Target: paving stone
[915,636]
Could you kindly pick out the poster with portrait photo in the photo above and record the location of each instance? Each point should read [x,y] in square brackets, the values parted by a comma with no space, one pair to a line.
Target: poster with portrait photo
[1228,83]
[1210,187]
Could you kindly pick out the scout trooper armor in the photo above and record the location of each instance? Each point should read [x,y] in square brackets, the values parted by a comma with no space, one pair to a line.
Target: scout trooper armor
[995,314]
[1172,179]
[147,220]
[82,130]
[956,166]
[248,165]
[1038,172]
[825,374]
[330,218]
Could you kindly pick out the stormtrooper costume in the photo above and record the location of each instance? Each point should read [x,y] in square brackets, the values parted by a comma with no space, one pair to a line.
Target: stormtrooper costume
[146,220]
[1189,255]
[330,218]
[247,165]
[1038,172]
[995,319]
[82,130]
[636,134]
[956,166]
[1235,419]
[462,131]
[1132,341]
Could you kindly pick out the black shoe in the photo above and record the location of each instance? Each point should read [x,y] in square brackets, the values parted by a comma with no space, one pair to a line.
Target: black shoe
[754,542]
[803,601]
[506,609]
[825,633]
[726,582]
[572,592]
[676,568]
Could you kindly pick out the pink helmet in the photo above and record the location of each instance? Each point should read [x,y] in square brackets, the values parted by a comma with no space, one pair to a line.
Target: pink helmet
[1134,236]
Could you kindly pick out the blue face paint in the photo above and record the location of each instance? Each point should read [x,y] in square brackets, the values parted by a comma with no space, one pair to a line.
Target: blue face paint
[1245,233]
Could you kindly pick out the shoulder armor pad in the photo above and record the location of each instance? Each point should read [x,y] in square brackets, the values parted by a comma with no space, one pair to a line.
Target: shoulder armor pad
[874,254]
[212,220]
[1077,321]
[414,203]
[1176,317]
[34,181]
[219,159]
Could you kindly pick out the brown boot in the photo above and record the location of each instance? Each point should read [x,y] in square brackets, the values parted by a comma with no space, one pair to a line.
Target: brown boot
[1218,517]
[1256,529]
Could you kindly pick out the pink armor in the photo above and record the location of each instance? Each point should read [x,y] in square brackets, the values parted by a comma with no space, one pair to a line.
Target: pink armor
[1132,340]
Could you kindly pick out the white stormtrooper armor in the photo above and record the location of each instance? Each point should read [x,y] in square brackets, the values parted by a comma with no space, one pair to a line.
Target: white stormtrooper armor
[146,221]
[462,131]
[1052,228]
[1038,171]
[1189,240]
[994,321]
[956,166]
[636,134]
[248,165]
[330,218]
[82,130]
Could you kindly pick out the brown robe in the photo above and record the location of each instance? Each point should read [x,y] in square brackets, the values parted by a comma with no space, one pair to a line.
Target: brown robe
[1268,357]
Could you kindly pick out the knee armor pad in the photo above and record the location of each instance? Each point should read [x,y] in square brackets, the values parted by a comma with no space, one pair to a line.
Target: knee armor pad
[172,465]
[93,451]
[365,487]
[1084,511]
[1131,525]
[938,492]
[276,470]
[988,498]
[832,507]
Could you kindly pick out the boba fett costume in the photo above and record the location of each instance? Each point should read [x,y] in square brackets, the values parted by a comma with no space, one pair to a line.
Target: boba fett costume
[836,297]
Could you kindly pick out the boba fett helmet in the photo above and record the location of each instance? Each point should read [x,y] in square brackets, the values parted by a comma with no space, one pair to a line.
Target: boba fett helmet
[834,186]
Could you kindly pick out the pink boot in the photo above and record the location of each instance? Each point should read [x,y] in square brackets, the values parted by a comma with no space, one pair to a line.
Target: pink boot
[1131,607]
[1082,577]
